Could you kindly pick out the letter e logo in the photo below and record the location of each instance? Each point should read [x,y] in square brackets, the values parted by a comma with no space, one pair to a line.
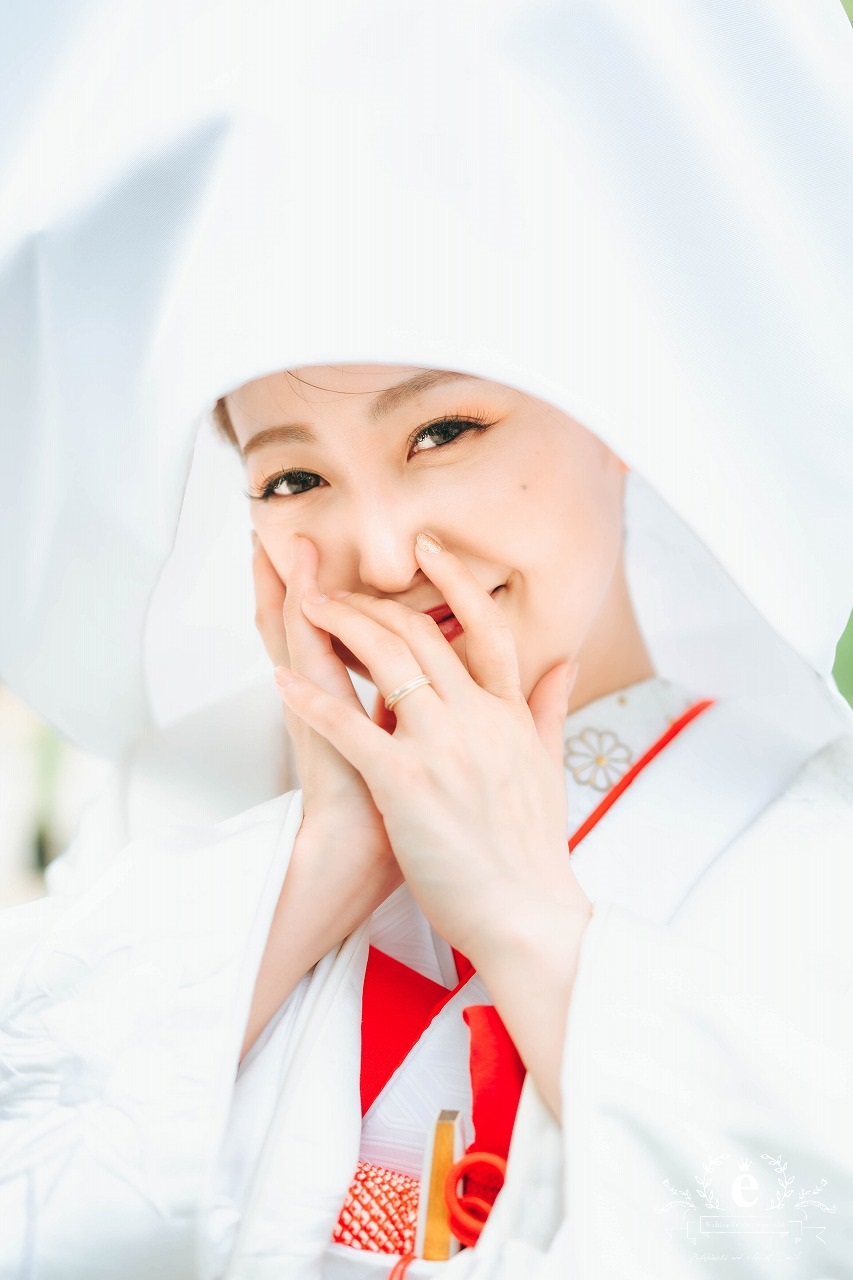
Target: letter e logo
[744,1182]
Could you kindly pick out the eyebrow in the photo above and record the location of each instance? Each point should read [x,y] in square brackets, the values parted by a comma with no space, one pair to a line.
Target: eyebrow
[393,397]
[385,403]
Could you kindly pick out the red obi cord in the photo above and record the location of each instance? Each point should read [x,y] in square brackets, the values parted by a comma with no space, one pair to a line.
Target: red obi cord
[468,1212]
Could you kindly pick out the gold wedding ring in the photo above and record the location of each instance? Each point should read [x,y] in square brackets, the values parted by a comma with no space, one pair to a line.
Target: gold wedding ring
[415,683]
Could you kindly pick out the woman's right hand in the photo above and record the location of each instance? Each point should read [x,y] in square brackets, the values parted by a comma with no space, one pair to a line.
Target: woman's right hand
[342,867]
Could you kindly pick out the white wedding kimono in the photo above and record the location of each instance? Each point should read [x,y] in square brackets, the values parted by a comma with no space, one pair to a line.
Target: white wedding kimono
[638,214]
[709,1026]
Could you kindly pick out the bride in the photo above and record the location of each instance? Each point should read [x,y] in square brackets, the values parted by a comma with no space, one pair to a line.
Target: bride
[504,487]
[281,1008]
[500,926]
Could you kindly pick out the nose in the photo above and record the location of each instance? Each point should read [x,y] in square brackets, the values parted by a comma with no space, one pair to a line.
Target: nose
[381,533]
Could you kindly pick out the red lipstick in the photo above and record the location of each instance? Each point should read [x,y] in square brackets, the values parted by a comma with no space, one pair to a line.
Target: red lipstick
[448,624]
[440,612]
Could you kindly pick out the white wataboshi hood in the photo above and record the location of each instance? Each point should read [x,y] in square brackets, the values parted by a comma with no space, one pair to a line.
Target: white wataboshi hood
[640,213]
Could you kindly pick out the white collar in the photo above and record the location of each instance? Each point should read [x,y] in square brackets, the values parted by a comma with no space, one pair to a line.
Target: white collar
[688,805]
[605,737]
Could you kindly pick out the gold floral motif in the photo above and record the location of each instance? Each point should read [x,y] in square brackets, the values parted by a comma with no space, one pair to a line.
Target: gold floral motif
[596,758]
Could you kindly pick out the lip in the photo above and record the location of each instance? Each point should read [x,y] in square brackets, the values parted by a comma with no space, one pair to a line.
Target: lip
[441,612]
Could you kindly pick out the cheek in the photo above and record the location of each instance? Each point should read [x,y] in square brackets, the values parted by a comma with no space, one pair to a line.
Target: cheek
[585,498]
[276,544]
[572,541]
[277,529]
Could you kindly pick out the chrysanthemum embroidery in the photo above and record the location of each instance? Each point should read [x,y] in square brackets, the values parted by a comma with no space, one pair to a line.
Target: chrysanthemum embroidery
[596,758]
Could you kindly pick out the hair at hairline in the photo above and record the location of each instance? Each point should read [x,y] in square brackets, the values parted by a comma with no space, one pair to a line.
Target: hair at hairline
[222,422]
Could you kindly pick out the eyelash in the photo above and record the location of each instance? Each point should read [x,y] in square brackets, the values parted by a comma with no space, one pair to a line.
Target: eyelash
[470,422]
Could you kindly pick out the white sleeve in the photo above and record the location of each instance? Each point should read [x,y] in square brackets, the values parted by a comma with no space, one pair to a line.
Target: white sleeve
[122,1012]
[684,1062]
[707,1075]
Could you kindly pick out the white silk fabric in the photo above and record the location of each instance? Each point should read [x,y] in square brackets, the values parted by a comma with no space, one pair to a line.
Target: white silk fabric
[638,212]
[710,1016]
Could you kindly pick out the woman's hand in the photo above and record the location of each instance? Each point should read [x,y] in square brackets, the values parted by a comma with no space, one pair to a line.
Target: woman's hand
[471,785]
[342,866]
[470,788]
[335,798]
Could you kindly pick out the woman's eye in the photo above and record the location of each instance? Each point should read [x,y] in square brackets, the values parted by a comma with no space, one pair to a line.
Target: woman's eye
[288,484]
[446,431]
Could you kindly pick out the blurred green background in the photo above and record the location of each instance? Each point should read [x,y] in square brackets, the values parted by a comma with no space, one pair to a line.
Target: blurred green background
[844,653]
[843,669]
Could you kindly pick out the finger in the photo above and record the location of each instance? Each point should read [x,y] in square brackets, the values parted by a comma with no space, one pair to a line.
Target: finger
[382,716]
[366,746]
[269,601]
[423,636]
[548,704]
[490,652]
[386,655]
[310,646]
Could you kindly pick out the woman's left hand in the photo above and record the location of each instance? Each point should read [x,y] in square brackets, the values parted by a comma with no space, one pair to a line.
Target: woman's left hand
[470,785]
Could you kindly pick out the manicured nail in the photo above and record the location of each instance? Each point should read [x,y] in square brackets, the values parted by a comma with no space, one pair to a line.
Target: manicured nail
[428,543]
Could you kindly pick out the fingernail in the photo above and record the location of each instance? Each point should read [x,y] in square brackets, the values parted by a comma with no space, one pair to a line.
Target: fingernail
[315,597]
[428,543]
[284,676]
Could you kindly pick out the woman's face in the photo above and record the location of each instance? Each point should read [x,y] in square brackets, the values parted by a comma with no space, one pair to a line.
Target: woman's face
[360,458]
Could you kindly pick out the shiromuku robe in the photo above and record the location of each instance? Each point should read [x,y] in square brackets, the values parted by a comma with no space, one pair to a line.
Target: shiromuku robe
[706,1068]
[638,214]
